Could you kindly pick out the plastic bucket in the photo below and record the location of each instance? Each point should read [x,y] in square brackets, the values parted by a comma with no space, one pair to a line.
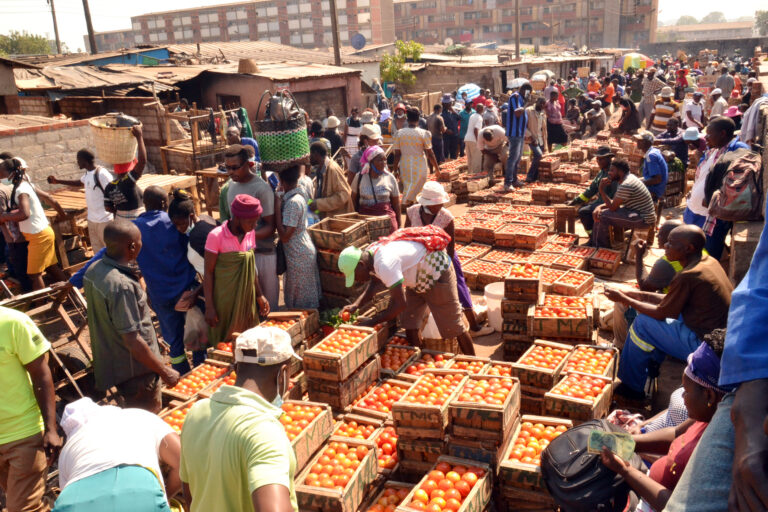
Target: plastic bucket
[494,293]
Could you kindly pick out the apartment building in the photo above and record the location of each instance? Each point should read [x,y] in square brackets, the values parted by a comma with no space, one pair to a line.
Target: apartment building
[612,23]
[305,23]
[111,40]
[708,31]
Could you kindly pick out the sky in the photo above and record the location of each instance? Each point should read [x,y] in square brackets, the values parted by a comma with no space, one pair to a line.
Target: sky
[34,15]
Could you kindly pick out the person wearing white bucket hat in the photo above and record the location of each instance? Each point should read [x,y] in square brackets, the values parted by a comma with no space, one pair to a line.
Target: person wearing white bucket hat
[430,210]
[235,454]
[664,109]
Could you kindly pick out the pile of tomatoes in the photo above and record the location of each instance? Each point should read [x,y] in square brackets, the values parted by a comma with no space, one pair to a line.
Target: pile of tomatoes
[519,255]
[334,468]
[542,356]
[389,499]
[553,247]
[224,346]
[382,397]
[565,239]
[560,301]
[341,341]
[524,271]
[606,255]
[387,444]
[471,365]
[486,391]
[571,260]
[583,251]
[395,357]
[296,418]
[445,488]
[282,324]
[574,278]
[229,380]
[176,418]
[354,430]
[499,370]
[198,378]
[580,386]
[550,275]
[548,312]
[433,388]
[590,360]
[474,250]
[543,258]
[426,362]
[532,439]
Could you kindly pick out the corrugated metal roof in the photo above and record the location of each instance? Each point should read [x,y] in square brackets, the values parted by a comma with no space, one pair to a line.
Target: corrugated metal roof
[81,77]
[261,51]
[289,70]
[14,63]
[76,58]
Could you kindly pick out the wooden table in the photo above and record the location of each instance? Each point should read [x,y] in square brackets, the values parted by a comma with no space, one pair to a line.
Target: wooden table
[211,180]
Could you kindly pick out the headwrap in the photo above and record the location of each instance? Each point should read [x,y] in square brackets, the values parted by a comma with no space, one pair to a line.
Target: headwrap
[368,155]
[704,369]
[385,115]
[77,414]
[245,207]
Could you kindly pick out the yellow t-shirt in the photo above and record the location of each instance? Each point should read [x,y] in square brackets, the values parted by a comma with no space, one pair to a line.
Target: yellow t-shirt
[21,342]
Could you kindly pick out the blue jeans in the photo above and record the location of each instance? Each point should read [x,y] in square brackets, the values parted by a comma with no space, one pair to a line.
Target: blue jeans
[533,172]
[172,327]
[515,153]
[716,241]
[649,340]
[706,480]
[450,146]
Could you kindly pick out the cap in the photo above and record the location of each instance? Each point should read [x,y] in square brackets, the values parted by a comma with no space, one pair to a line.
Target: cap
[604,151]
[646,136]
[272,346]
[698,93]
[447,98]
[488,103]
[372,131]
[433,193]
[333,122]
[716,91]
[348,260]
[691,133]
[667,92]
[400,106]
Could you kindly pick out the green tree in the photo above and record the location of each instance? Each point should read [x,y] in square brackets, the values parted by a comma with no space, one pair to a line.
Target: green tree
[23,43]
[761,22]
[410,50]
[687,20]
[393,68]
[714,17]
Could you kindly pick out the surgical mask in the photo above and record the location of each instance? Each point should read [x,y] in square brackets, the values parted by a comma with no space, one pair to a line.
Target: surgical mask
[278,400]
[399,116]
[189,229]
[6,181]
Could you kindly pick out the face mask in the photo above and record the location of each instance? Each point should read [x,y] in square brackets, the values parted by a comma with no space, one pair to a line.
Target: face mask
[189,229]
[399,116]
[6,181]
[278,400]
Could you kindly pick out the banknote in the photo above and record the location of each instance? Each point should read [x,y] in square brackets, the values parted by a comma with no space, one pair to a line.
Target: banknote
[621,444]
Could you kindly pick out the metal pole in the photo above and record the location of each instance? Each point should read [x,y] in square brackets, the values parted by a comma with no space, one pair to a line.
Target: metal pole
[517,29]
[89,25]
[335,30]
[55,27]
[589,24]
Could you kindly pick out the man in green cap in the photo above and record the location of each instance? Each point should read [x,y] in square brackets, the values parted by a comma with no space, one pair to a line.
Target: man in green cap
[417,279]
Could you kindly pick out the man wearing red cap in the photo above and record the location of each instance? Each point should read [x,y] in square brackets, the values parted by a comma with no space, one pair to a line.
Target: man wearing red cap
[123,196]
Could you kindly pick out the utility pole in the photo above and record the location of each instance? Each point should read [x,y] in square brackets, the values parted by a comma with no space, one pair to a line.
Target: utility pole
[55,27]
[335,30]
[517,29]
[89,25]
[589,24]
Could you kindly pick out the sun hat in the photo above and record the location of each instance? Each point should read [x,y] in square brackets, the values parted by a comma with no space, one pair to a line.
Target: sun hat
[646,136]
[447,98]
[667,92]
[732,111]
[348,260]
[691,133]
[433,193]
[245,207]
[604,151]
[333,122]
[367,117]
[716,91]
[272,346]
[371,130]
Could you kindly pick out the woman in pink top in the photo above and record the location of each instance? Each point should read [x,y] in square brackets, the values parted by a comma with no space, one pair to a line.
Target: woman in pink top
[230,283]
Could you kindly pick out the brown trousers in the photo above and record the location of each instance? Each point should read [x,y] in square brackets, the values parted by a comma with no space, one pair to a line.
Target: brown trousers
[22,474]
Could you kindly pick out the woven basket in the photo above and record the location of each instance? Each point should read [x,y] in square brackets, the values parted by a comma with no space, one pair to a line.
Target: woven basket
[282,144]
[113,145]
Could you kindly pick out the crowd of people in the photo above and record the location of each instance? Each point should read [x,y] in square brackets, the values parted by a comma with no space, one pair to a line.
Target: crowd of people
[153,254]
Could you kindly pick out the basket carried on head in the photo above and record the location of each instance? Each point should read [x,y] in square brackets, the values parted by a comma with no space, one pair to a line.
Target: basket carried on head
[114,144]
[281,134]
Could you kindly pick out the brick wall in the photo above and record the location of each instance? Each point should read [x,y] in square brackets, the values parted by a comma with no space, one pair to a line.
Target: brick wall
[35,105]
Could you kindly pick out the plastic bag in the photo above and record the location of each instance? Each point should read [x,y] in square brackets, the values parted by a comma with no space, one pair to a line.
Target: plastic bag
[195,330]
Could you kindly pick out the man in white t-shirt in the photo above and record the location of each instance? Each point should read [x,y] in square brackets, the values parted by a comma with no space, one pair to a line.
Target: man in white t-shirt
[719,104]
[112,456]
[474,156]
[693,112]
[419,282]
[95,179]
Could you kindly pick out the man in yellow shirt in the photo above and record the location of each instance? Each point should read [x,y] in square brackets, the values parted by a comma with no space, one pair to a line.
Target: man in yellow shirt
[28,437]
[235,455]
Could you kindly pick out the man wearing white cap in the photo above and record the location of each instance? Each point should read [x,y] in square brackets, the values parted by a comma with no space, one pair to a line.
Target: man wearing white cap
[719,104]
[664,110]
[235,454]
[693,112]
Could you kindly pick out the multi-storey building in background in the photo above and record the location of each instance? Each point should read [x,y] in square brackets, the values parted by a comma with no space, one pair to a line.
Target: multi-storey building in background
[614,23]
[111,40]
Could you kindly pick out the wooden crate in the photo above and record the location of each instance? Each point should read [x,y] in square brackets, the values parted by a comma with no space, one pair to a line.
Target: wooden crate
[498,368]
[482,450]
[532,399]
[570,262]
[517,475]
[333,281]
[523,289]
[224,356]
[582,250]
[327,259]
[562,288]
[477,499]
[362,420]
[579,409]
[314,435]
[387,427]
[376,225]
[473,420]
[415,353]
[378,493]
[294,329]
[338,367]
[475,250]
[449,345]
[296,366]
[515,329]
[170,394]
[543,258]
[602,266]
[342,394]
[422,420]
[337,234]
[496,273]
[515,310]
[298,386]
[361,409]
[548,278]
[513,348]
[555,327]
[319,499]
[542,378]
[470,273]
[610,370]
[419,450]
[472,364]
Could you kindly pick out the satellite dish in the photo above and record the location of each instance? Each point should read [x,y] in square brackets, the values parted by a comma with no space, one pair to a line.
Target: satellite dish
[448,41]
[357,41]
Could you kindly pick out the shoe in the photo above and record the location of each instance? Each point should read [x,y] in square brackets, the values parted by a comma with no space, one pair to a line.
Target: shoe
[509,188]
[482,331]
[518,184]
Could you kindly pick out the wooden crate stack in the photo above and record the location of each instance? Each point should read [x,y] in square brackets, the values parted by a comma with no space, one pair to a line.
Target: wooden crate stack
[331,236]
[536,381]
[520,293]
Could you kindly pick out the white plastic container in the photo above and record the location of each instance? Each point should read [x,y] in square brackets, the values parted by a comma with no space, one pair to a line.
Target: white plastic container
[494,293]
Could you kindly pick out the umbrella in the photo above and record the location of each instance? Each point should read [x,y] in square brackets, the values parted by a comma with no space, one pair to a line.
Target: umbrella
[634,60]
[517,83]
[472,90]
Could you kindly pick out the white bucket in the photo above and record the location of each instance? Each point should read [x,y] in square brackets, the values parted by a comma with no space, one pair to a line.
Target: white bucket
[494,293]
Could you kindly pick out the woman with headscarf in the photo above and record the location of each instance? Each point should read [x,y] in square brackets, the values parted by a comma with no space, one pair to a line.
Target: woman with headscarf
[230,283]
[301,284]
[701,395]
[374,188]
[629,122]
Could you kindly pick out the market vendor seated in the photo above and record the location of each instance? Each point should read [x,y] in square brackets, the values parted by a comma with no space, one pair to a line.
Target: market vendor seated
[675,323]
[413,265]
[603,158]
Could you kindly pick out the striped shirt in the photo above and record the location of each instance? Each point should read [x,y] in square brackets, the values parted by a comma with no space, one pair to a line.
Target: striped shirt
[636,197]
[516,125]
[663,112]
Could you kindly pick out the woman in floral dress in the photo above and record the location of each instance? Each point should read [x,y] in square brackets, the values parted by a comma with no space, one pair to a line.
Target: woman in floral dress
[413,148]
[301,285]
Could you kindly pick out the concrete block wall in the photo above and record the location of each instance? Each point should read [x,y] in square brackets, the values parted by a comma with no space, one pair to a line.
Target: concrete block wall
[35,105]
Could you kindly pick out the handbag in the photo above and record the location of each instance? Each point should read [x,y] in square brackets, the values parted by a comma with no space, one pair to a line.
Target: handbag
[282,132]
[282,264]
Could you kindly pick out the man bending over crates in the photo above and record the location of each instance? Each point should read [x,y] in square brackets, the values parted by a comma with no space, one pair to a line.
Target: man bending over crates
[413,264]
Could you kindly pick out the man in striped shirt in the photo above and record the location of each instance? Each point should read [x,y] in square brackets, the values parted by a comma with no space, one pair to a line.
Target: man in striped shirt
[631,206]
[517,122]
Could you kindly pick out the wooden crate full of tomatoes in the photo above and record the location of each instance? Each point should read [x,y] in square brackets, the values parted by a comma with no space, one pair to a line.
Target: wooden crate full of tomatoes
[580,397]
[340,353]
[485,407]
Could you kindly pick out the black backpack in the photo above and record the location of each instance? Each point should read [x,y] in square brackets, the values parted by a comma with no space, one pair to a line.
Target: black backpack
[578,481]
